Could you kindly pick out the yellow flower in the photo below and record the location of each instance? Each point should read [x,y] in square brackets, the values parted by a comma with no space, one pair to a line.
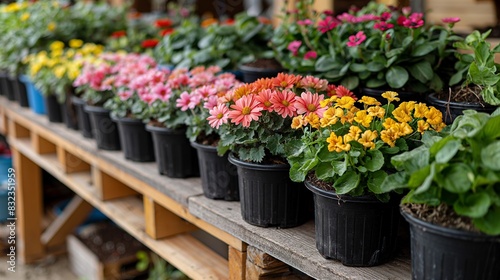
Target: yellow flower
[51,26]
[59,71]
[390,95]
[388,123]
[312,119]
[25,16]
[367,139]
[75,43]
[345,102]
[403,129]
[363,118]
[324,103]
[367,100]
[343,147]
[434,116]
[438,127]
[324,122]
[422,126]
[420,110]
[354,131]
[389,136]
[332,141]
[376,111]
[56,46]
[298,122]
[73,72]
[401,115]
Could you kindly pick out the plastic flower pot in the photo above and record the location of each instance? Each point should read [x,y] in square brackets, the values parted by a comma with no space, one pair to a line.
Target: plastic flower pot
[8,88]
[251,74]
[3,80]
[268,197]
[83,117]
[35,97]
[104,129]
[53,109]
[19,91]
[4,199]
[219,178]
[358,231]
[136,142]
[174,155]
[69,115]
[5,164]
[451,110]
[443,253]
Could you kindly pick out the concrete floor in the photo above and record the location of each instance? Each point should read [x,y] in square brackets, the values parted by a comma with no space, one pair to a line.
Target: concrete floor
[51,268]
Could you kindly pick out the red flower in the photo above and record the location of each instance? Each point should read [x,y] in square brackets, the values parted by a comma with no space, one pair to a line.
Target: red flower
[165,32]
[310,55]
[163,23]
[356,40]
[385,16]
[383,26]
[327,24]
[401,20]
[264,20]
[229,21]
[149,43]
[118,34]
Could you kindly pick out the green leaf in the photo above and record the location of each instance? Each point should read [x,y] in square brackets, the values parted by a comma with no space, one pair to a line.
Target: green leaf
[339,166]
[375,83]
[457,178]
[491,130]
[413,160]
[448,151]
[490,155]
[393,182]
[423,49]
[309,164]
[325,63]
[474,205]
[396,77]
[376,160]
[296,174]
[373,66]
[422,71]
[418,177]
[375,180]
[426,184]
[347,182]
[350,82]
[489,223]
[324,171]
[294,147]
[357,67]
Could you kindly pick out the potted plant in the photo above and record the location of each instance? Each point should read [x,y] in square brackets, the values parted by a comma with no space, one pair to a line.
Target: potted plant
[127,109]
[375,47]
[474,86]
[343,156]
[219,178]
[452,202]
[254,125]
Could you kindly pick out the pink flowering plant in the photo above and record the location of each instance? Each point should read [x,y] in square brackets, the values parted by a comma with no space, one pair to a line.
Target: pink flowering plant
[254,120]
[377,46]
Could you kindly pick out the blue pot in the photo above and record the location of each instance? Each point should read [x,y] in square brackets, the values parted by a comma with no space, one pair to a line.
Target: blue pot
[4,213]
[35,97]
[5,164]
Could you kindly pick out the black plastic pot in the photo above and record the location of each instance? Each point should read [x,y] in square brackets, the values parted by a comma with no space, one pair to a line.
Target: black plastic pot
[403,95]
[53,109]
[8,88]
[358,231]
[83,117]
[252,74]
[174,155]
[268,197]
[219,178]
[136,142]
[68,110]
[20,93]
[3,81]
[104,129]
[444,253]
[451,110]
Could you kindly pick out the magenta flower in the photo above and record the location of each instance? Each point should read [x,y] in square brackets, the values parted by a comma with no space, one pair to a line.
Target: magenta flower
[356,40]
[310,55]
[327,24]
[451,20]
[305,22]
[218,116]
[294,47]
[346,17]
[385,16]
[400,21]
[328,12]
[414,21]
[383,26]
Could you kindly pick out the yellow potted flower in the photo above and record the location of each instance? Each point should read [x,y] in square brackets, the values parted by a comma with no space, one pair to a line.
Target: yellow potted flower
[343,157]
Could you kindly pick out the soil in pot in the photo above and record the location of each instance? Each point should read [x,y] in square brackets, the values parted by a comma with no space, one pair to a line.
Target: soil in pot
[456,100]
[83,117]
[268,197]
[219,178]
[446,253]
[104,129]
[260,68]
[136,142]
[358,231]
[53,109]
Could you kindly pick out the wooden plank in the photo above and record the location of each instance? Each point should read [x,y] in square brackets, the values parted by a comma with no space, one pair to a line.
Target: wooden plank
[17,130]
[42,145]
[28,206]
[69,162]
[4,123]
[161,222]
[262,259]
[237,264]
[73,215]
[323,5]
[108,187]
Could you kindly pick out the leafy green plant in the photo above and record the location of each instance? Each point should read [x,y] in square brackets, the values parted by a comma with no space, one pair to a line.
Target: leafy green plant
[477,67]
[460,169]
[159,269]
[350,148]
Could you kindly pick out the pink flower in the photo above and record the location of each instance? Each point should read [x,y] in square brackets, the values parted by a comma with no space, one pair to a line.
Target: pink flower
[414,21]
[385,16]
[406,10]
[294,47]
[162,91]
[283,103]
[365,18]
[327,24]
[343,91]
[305,22]
[451,20]
[125,94]
[245,110]
[356,40]
[400,21]
[264,97]
[383,26]
[310,55]
[328,12]
[205,91]
[211,102]
[311,82]
[148,98]
[218,116]
[346,17]
[309,103]
[184,102]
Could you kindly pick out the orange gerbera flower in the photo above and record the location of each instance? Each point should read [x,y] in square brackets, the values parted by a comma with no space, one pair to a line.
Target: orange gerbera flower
[286,80]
